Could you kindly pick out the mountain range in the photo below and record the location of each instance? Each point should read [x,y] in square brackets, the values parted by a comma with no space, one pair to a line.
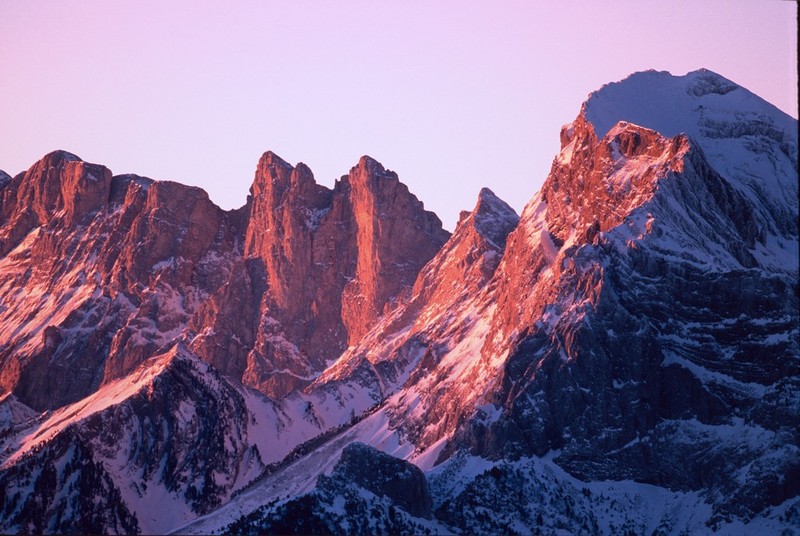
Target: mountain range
[622,357]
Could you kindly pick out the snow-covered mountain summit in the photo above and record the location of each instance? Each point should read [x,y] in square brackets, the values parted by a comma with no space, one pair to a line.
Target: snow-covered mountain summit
[747,140]
[673,105]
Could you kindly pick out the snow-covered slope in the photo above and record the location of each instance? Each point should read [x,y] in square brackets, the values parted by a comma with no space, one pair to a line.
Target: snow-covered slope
[661,319]
[172,440]
[745,139]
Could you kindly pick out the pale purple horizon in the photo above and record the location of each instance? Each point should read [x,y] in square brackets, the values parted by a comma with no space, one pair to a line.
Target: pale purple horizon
[453,96]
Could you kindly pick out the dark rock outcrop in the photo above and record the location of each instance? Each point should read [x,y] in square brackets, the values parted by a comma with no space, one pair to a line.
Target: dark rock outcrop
[385,476]
[34,497]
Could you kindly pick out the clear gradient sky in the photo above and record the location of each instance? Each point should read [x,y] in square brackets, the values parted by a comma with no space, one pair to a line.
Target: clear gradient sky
[452,95]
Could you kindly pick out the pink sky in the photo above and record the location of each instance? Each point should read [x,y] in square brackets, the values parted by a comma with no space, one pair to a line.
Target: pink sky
[452,95]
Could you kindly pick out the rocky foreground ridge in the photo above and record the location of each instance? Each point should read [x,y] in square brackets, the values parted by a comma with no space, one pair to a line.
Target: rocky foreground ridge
[622,356]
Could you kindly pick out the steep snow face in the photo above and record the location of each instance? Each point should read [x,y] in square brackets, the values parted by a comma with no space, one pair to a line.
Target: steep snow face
[748,141]
[170,441]
[679,104]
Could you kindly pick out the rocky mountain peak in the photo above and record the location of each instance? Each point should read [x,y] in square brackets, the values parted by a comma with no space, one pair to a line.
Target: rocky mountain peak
[127,186]
[367,162]
[277,182]
[633,175]
[270,159]
[332,262]
[390,224]
[595,183]
[62,181]
[468,260]
[60,185]
[271,179]
[198,220]
[493,218]
[58,158]
[370,184]
[281,197]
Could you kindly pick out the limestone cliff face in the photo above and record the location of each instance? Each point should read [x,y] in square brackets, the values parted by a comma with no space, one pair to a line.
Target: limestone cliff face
[643,307]
[468,260]
[395,237]
[593,187]
[431,344]
[59,186]
[175,248]
[324,265]
[100,272]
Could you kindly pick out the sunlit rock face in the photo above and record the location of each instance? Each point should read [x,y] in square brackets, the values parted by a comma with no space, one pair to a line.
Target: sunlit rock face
[320,267]
[624,356]
[117,268]
[98,273]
